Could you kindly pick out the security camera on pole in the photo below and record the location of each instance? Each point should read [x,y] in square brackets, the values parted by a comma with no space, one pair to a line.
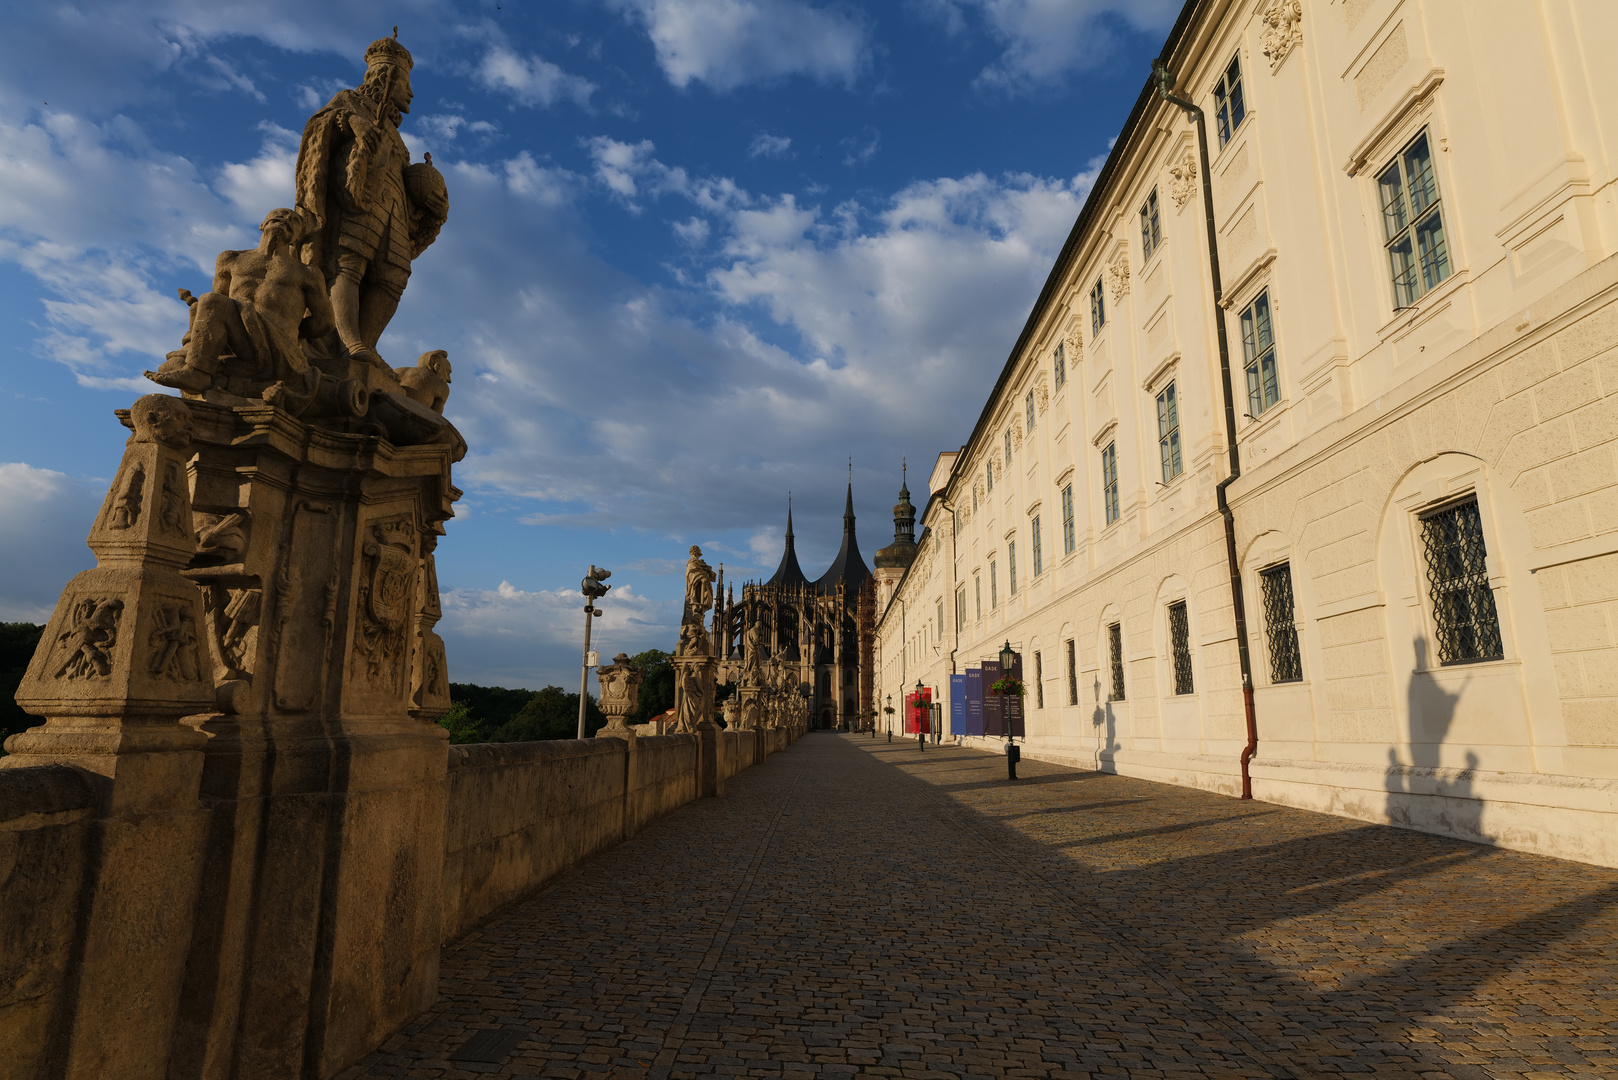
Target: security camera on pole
[593,590]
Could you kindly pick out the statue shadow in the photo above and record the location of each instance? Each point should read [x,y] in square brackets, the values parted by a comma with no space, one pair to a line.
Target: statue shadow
[1423,794]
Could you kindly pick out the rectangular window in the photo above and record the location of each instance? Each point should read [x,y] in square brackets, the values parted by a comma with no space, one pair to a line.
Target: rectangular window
[1151,232]
[1258,353]
[994,586]
[1281,624]
[1180,647]
[1115,657]
[1069,539]
[1168,433]
[1412,223]
[1229,107]
[1109,481]
[1098,309]
[1072,674]
[1039,549]
[977,592]
[988,477]
[1059,366]
[1008,448]
[1011,566]
[1458,583]
[974,497]
[940,622]
[1039,681]
[1030,403]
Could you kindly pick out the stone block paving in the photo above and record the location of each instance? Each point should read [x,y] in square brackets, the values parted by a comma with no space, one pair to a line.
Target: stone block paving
[855,908]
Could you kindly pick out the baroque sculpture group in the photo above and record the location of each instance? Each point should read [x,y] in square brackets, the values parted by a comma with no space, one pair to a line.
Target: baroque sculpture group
[250,670]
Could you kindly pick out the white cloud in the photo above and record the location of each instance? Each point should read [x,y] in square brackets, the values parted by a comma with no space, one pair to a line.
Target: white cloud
[48,515]
[1044,40]
[862,147]
[506,635]
[766,145]
[730,43]
[532,80]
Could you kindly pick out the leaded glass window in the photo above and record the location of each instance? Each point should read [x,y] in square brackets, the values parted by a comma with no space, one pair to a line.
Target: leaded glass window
[1413,223]
[1168,433]
[1109,481]
[1069,539]
[1072,674]
[1281,624]
[1115,656]
[1180,647]
[1458,582]
[1039,549]
[1230,108]
[1039,681]
[1151,230]
[1098,309]
[1258,353]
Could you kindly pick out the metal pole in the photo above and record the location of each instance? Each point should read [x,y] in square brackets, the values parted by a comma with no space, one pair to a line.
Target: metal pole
[584,668]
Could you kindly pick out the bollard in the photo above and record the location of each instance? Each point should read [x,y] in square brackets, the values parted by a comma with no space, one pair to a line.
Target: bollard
[1013,752]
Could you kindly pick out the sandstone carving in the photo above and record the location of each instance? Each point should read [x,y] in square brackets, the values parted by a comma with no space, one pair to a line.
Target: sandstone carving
[1283,28]
[126,507]
[428,382]
[173,642]
[699,597]
[1184,184]
[390,569]
[90,639]
[620,694]
[1118,278]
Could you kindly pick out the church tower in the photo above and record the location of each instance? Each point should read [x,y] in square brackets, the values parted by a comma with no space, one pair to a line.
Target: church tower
[893,560]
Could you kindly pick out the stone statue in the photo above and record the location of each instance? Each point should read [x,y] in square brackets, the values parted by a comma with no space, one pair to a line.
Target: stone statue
[690,710]
[753,658]
[256,313]
[699,579]
[428,382]
[370,212]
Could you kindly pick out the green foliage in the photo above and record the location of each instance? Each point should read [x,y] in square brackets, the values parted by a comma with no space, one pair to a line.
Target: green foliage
[17,642]
[484,714]
[657,685]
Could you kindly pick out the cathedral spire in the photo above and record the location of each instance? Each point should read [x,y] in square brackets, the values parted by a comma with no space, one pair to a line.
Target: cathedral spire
[789,572]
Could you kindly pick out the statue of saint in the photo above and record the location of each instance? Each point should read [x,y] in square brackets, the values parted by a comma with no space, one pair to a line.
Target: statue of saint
[370,212]
[753,658]
[699,579]
[256,312]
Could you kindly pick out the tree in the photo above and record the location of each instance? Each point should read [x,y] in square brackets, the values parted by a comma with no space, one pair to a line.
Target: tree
[17,644]
[552,713]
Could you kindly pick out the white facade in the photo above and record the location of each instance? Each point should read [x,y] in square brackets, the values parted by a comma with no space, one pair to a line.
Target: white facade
[1410,456]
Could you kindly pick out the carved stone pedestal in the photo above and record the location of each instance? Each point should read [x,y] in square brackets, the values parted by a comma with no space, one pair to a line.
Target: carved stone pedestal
[317,933]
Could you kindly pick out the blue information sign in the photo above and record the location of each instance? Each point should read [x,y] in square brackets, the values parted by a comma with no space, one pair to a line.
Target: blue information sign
[974,702]
[957,705]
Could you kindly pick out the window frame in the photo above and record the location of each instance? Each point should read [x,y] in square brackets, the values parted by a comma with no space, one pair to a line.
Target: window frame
[1109,483]
[1414,281]
[1258,361]
[1168,432]
[1151,228]
[1098,307]
[1281,634]
[1059,366]
[1039,680]
[1474,579]
[1070,540]
[1037,548]
[1178,621]
[1008,448]
[1072,673]
[988,477]
[1011,567]
[1115,661]
[994,585]
[1029,402]
[960,608]
[1230,96]
[977,592]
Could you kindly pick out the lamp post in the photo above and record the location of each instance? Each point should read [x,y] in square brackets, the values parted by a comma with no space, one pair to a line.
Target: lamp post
[593,590]
[889,712]
[1007,655]
[921,734]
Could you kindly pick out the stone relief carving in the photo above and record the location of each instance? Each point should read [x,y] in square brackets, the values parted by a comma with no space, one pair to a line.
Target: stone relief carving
[390,569]
[1016,436]
[1184,184]
[126,508]
[173,642]
[1283,28]
[1118,278]
[90,639]
[171,512]
[620,689]
[1042,393]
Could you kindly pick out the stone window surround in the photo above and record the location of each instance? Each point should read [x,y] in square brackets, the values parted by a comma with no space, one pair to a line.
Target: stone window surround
[1175,591]
[1272,552]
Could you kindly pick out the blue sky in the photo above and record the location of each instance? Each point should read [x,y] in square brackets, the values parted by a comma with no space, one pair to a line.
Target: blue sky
[700,253]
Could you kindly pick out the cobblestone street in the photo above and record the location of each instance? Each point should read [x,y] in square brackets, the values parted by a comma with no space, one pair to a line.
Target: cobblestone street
[853,907]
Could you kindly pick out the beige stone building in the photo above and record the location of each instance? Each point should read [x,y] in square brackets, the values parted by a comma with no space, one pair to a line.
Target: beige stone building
[1417,300]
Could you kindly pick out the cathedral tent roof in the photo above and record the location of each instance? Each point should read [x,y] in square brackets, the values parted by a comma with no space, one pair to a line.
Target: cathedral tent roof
[848,569]
[789,572]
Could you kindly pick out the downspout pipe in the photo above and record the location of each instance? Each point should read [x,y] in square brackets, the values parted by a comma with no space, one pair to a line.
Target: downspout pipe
[1165,90]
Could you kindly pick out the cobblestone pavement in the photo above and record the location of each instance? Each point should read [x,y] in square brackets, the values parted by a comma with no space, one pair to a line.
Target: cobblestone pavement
[852,907]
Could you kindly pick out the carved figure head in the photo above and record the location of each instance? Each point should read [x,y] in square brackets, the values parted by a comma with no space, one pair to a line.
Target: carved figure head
[161,419]
[285,224]
[436,361]
[387,73]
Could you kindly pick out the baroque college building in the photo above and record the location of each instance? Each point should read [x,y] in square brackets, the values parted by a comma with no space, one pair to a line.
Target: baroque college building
[1300,478]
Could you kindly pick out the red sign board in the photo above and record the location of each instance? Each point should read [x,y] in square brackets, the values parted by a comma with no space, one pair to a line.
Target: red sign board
[919,712]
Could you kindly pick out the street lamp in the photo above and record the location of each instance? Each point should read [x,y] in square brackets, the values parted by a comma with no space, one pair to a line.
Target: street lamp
[593,590]
[1007,655]
[921,735]
[889,713]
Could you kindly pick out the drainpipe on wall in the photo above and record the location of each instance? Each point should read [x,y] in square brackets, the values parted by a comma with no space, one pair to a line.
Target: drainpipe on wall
[1165,90]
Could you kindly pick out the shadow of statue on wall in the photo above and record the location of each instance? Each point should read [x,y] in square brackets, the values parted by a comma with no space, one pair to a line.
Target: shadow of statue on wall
[1423,794]
[1105,721]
